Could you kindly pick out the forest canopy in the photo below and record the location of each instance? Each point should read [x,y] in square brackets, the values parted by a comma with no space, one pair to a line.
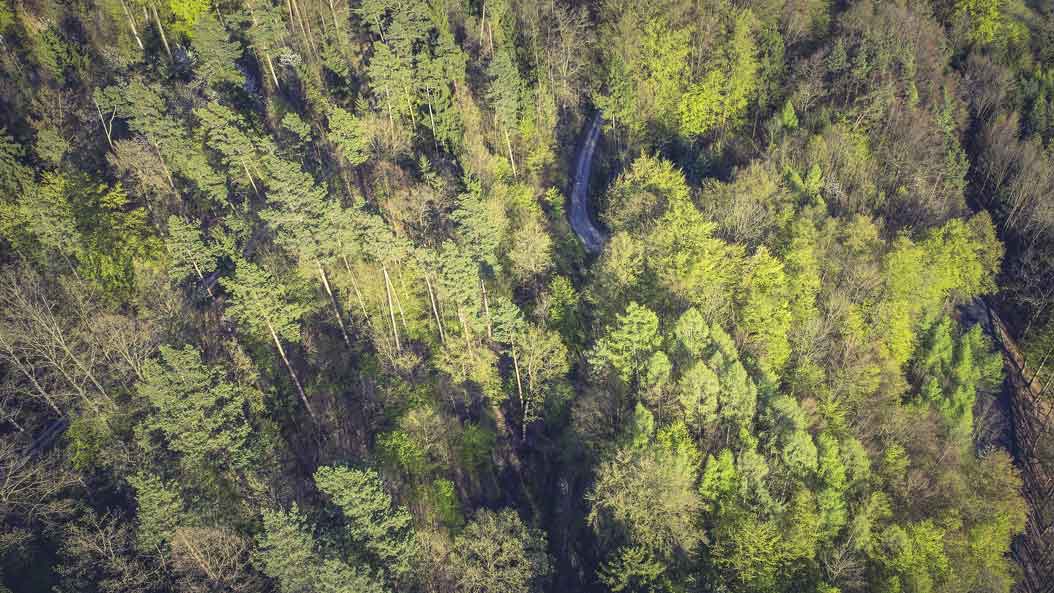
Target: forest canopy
[293,296]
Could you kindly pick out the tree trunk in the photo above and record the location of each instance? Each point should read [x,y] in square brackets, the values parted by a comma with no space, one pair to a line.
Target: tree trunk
[292,373]
[201,278]
[519,391]
[161,30]
[508,143]
[391,309]
[355,286]
[107,127]
[435,310]
[333,301]
[131,23]
[486,309]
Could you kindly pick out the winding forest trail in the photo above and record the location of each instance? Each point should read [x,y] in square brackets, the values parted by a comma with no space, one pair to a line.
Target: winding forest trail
[587,232]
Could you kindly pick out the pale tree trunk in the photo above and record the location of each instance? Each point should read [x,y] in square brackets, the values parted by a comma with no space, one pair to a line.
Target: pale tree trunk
[292,373]
[200,276]
[131,23]
[391,309]
[508,144]
[486,308]
[161,30]
[358,294]
[519,391]
[435,310]
[245,166]
[107,126]
[432,119]
[333,301]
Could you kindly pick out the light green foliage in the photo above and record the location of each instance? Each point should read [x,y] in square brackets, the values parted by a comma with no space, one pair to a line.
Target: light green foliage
[721,97]
[371,520]
[693,333]
[476,446]
[956,261]
[700,390]
[200,414]
[645,495]
[187,13]
[797,449]
[830,498]
[223,132]
[505,90]
[349,134]
[719,480]
[749,552]
[690,262]
[188,254]
[159,510]
[399,448]
[496,553]
[215,53]
[634,568]
[915,557]
[446,503]
[640,195]
[264,305]
[985,19]
[953,371]
[628,344]
[289,553]
[764,314]
[91,226]
[286,550]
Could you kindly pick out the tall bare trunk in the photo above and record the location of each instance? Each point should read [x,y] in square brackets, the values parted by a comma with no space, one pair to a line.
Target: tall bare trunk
[435,310]
[292,373]
[161,30]
[107,126]
[519,391]
[486,308]
[508,143]
[391,309]
[131,23]
[333,301]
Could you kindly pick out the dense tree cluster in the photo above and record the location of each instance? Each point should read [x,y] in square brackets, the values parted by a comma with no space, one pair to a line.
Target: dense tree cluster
[289,300]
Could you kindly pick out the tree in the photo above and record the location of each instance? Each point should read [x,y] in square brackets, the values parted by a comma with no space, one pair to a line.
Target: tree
[188,252]
[160,511]
[201,415]
[264,305]
[216,55]
[628,344]
[349,134]
[763,311]
[541,358]
[381,531]
[496,553]
[504,95]
[289,553]
[645,496]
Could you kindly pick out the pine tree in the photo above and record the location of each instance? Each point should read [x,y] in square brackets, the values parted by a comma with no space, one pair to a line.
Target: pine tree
[263,305]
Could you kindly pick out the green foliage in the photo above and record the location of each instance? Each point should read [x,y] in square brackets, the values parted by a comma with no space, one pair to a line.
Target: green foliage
[159,510]
[372,522]
[348,133]
[265,306]
[200,414]
[498,552]
[626,346]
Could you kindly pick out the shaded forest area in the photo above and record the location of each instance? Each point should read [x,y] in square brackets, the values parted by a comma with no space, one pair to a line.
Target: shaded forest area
[289,300]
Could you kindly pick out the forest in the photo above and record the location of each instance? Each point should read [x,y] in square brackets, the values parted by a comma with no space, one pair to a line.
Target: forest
[291,302]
